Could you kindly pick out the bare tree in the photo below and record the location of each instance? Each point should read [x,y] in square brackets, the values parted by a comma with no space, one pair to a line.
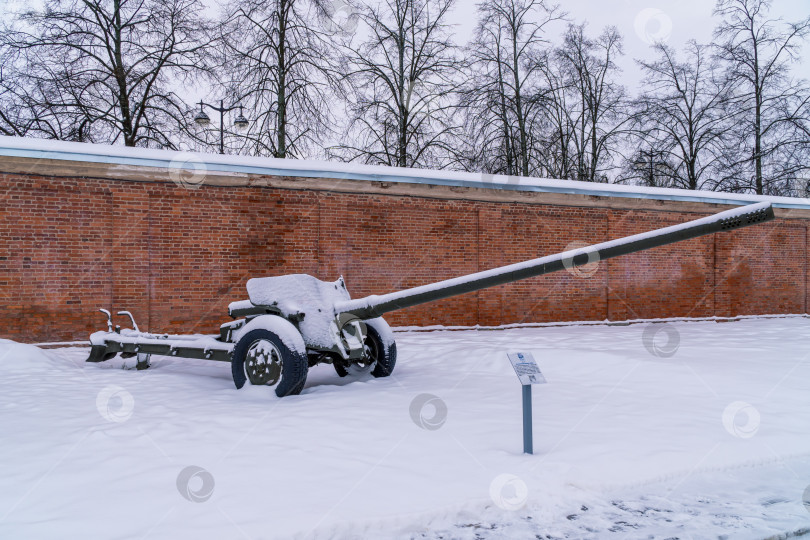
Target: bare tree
[402,79]
[488,136]
[768,147]
[35,106]
[558,151]
[600,104]
[280,62]
[681,116]
[501,102]
[15,116]
[112,66]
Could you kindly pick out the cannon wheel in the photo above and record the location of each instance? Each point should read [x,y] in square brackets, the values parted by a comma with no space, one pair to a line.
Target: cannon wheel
[262,358]
[380,352]
[344,367]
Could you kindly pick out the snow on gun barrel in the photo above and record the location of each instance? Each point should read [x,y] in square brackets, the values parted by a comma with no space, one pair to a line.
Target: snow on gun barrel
[293,322]
[374,306]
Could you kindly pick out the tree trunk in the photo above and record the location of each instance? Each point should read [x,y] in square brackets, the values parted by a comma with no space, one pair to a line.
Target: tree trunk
[507,136]
[758,90]
[524,147]
[120,78]
[402,139]
[758,142]
[594,147]
[281,120]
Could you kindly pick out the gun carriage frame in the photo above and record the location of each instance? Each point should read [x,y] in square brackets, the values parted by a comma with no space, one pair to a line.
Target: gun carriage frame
[293,322]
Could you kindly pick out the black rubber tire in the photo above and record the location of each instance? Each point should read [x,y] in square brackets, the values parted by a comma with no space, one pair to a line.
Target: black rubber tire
[385,364]
[293,363]
[340,369]
[387,358]
[352,369]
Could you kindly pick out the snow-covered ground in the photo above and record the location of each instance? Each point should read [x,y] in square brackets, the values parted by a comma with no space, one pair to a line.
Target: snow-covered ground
[675,430]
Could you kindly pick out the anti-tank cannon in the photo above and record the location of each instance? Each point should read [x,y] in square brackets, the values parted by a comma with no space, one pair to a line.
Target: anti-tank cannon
[293,322]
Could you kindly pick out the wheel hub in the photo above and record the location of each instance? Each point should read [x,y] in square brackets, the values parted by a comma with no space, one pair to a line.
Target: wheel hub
[263,363]
[369,360]
[370,352]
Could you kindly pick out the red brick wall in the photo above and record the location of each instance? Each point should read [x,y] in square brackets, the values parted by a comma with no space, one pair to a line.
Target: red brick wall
[176,256]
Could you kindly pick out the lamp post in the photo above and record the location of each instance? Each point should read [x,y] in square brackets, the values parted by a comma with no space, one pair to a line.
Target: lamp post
[202,119]
[641,163]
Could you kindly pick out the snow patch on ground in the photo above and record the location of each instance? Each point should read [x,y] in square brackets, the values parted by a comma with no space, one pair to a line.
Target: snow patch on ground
[674,430]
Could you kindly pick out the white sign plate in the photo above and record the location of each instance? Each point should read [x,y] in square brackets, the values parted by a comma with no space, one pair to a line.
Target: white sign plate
[526,368]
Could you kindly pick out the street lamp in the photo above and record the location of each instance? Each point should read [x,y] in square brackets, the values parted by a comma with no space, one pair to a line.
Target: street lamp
[202,119]
[642,162]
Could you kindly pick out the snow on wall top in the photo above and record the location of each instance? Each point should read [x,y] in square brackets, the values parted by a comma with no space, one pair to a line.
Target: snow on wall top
[173,160]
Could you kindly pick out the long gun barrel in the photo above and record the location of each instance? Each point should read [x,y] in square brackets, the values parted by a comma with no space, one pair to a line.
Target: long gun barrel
[374,306]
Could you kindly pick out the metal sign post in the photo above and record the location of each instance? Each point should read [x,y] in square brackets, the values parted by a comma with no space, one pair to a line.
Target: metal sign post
[527,371]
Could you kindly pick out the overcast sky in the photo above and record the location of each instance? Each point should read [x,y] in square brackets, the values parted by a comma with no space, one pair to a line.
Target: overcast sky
[644,21]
